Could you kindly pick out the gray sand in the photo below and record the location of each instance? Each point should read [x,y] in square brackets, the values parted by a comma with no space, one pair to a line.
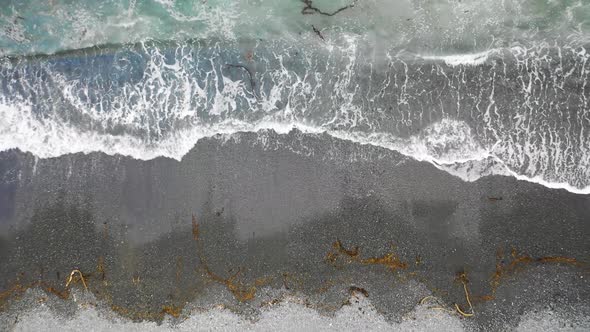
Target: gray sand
[269,210]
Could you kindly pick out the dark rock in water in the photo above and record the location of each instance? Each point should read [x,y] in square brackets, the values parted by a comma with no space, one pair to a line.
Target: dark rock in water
[243,216]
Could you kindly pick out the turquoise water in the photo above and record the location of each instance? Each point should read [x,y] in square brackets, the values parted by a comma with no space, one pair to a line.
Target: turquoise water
[438,26]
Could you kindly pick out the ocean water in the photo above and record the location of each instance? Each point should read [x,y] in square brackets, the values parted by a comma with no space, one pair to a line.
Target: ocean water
[475,87]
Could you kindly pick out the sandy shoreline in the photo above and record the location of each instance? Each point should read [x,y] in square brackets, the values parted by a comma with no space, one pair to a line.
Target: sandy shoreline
[306,214]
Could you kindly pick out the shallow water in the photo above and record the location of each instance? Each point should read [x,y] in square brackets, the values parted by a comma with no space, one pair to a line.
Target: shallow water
[502,82]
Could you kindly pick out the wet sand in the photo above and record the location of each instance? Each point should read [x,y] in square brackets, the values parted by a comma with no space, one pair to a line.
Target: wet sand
[298,214]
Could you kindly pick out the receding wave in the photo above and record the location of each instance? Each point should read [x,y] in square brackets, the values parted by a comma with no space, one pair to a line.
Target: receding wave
[513,111]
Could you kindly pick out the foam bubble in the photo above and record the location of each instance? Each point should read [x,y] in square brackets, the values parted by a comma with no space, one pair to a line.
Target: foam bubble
[50,138]
[165,99]
[448,145]
[469,59]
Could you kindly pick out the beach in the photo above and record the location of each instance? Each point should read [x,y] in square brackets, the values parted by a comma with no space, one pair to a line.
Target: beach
[278,216]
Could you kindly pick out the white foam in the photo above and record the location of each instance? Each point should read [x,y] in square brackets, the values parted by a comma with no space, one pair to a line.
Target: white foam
[162,116]
[448,144]
[469,59]
[49,138]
